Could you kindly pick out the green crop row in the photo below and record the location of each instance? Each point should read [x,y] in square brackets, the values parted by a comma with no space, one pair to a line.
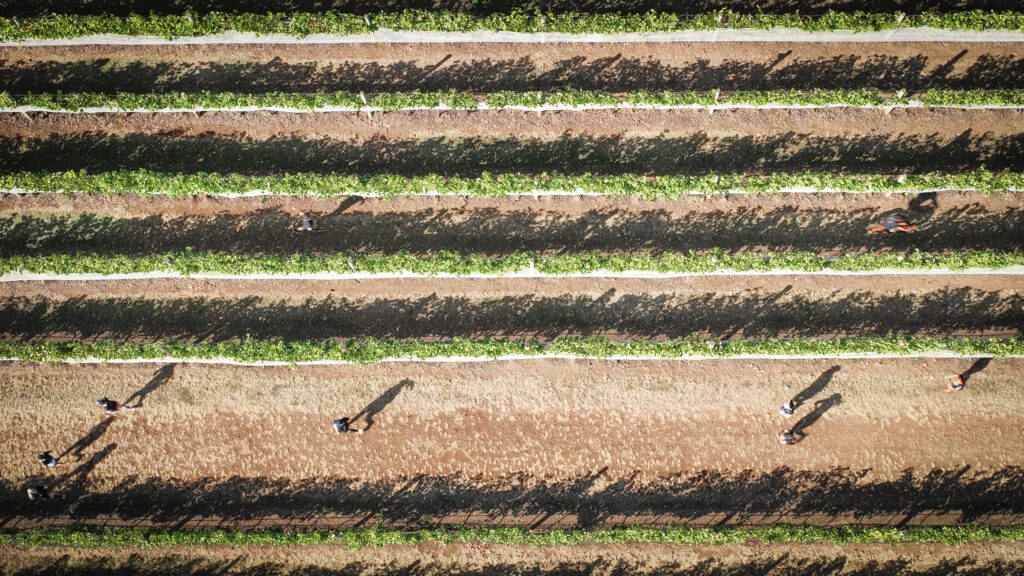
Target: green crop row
[76,101]
[304,23]
[369,350]
[310,184]
[188,263]
[376,537]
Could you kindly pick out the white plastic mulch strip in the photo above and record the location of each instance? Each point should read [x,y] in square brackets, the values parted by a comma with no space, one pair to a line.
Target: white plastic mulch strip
[532,193]
[528,273]
[484,106]
[920,34]
[519,357]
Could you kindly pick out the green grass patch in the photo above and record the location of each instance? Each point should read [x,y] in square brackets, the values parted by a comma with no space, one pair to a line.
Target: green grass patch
[375,537]
[634,185]
[188,262]
[77,101]
[369,350]
[304,23]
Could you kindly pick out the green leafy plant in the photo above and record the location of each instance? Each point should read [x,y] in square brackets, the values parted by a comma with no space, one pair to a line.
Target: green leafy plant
[303,24]
[368,350]
[311,184]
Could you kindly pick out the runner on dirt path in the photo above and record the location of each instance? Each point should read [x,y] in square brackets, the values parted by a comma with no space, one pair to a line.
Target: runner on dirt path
[40,492]
[893,223]
[788,437]
[787,409]
[111,406]
[341,427]
[47,459]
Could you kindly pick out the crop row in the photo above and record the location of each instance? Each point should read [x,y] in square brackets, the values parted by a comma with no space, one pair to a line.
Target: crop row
[311,184]
[305,23]
[368,350]
[124,101]
[450,263]
[376,537]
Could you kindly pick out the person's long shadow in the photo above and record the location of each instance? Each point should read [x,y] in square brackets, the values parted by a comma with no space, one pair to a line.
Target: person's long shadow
[75,480]
[979,365]
[162,375]
[820,407]
[815,388]
[88,440]
[375,407]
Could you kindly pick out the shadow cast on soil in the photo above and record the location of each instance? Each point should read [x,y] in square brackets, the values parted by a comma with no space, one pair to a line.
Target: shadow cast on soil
[836,564]
[615,74]
[749,314]
[494,232]
[692,154]
[783,495]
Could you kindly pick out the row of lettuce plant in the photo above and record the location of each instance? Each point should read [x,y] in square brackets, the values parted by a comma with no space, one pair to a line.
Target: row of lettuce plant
[377,537]
[189,262]
[124,101]
[305,23]
[636,185]
[369,350]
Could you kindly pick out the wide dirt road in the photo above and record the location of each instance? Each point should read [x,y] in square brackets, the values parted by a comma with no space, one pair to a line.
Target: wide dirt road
[541,443]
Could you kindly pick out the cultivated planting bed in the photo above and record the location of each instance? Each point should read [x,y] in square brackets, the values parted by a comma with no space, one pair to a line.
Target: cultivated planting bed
[563,287]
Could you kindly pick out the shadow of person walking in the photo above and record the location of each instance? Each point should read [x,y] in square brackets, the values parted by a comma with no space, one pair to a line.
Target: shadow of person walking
[382,401]
[75,480]
[85,441]
[979,365]
[159,377]
[820,407]
[924,203]
[814,389]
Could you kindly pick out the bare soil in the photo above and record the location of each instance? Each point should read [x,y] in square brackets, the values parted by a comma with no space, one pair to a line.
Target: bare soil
[583,560]
[488,67]
[716,306]
[541,443]
[831,224]
[468,143]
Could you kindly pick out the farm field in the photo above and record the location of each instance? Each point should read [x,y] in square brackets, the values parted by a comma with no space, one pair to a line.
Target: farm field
[565,333]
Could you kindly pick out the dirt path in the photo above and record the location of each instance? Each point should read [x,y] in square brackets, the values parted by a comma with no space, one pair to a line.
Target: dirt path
[583,560]
[486,67]
[468,143]
[715,306]
[537,442]
[830,224]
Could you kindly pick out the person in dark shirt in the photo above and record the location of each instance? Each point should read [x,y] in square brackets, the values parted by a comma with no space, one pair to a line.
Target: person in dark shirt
[40,492]
[306,223]
[341,426]
[895,222]
[111,407]
[47,459]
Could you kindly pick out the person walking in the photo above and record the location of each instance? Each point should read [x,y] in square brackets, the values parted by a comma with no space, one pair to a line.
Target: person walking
[787,409]
[47,459]
[788,437]
[111,406]
[40,492]
[341,426]
[956,383]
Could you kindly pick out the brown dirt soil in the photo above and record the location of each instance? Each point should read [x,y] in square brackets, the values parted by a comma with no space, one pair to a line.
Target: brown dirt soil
[825,223]
[717,306]
[1005,559]
[468,143]
[487,67]
[541,443]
